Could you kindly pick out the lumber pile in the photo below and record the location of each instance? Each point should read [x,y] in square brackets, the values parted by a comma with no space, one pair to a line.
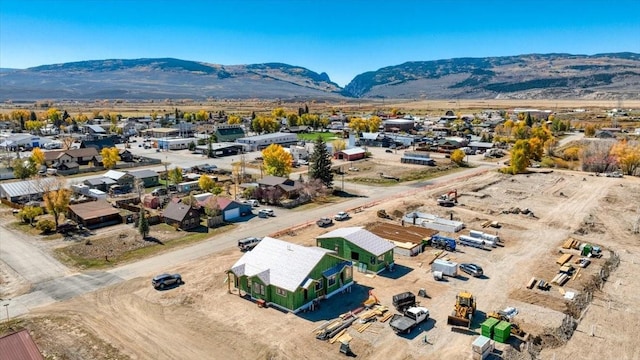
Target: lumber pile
[386,317]
[563,259]
[486,223]
[363,327]
[532,283]
[571,244]
[560,279]
[335,338]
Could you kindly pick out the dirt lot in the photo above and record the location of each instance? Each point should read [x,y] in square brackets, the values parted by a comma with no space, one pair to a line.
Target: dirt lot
[201,320]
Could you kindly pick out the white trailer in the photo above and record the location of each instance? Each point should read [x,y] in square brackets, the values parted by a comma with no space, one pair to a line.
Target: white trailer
[482,235]
[448,268]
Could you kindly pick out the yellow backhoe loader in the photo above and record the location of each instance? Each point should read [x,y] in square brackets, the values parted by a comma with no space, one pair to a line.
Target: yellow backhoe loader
[464,310]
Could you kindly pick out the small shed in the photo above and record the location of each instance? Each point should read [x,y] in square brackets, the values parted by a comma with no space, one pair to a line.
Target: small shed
[95,214]
[351,154]
[371,252]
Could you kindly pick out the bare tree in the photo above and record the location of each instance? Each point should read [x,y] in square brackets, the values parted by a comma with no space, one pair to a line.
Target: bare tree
[596,156]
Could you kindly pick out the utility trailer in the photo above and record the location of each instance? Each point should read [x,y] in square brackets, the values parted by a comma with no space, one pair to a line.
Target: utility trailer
[404,301]
[448,268]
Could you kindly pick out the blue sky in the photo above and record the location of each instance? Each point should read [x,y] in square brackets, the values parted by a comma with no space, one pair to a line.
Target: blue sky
[341,38]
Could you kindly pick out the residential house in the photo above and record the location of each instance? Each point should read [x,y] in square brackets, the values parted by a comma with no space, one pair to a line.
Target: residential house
[121,178]
[148,177]
[371,252]
[291,188]
[55,158]
[290,276]
[181,215]
[94,130]
[100,183]
[298,129]
[125,155]
[95,214]
[230,209]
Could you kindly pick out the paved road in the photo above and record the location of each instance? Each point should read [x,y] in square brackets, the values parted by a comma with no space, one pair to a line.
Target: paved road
[53,282]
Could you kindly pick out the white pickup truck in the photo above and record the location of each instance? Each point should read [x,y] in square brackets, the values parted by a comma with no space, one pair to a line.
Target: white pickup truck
[412,317]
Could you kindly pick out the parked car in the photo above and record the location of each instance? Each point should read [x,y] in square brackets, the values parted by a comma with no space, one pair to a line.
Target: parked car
[341,216]
[249,243]
[253,202]
[163,281]
[268,212]
[159,192]
[324,221]
[471,269]
[389,151]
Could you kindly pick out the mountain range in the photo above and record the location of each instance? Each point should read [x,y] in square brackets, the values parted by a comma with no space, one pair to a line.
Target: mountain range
[532,76]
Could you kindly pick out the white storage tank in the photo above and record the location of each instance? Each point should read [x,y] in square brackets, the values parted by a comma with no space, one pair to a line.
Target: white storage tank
[471,241]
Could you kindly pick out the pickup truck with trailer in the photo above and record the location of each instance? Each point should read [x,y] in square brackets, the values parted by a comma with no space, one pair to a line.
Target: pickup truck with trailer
[413,316]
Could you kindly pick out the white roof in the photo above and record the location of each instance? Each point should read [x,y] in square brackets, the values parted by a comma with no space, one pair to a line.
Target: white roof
[353,151]
[27,187]
[279,263]
[361,238]
[113,174]
[370,135]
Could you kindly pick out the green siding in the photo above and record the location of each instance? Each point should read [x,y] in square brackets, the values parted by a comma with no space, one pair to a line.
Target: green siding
[296,299]
[345,249]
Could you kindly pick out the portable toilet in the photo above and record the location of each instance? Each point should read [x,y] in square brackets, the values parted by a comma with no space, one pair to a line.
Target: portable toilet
[486,328]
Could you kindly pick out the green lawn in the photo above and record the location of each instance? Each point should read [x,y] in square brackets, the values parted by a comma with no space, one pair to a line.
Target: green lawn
[326,136]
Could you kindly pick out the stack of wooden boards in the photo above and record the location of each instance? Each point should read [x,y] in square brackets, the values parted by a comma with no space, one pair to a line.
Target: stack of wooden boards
[336,330]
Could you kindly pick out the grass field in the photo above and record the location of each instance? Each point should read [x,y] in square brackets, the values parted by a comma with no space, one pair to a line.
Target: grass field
[326,136]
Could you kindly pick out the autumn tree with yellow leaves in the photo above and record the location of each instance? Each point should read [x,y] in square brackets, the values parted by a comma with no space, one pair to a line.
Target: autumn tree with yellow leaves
[110,157]
[277,161]
[57,202]
[628,156]
[37,155]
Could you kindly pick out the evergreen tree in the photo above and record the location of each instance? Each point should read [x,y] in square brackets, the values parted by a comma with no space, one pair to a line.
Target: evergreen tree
[320,167]
[529,120]
[143,224]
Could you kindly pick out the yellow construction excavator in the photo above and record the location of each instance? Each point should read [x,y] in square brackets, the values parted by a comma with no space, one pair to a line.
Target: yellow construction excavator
[464,310]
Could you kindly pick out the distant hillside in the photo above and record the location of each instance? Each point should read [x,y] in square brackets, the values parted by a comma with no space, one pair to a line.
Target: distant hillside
[535,76]
[142,79]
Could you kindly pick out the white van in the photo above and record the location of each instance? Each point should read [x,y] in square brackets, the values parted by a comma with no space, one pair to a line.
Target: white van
[249,243]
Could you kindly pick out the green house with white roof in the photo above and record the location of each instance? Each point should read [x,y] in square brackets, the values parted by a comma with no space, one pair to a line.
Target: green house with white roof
[290,276]
[368,251]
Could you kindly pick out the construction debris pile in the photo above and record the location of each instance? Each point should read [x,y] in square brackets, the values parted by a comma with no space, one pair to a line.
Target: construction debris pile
[517,210]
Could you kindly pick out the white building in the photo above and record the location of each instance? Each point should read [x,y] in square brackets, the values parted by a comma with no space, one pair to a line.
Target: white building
[256,143]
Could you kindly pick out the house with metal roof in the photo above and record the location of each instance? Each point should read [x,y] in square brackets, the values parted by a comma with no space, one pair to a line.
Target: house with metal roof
[290,276]
[100,183]
[351,154]
[371,252]
[19,346]
[28,190]
[260,142]
[148,177]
